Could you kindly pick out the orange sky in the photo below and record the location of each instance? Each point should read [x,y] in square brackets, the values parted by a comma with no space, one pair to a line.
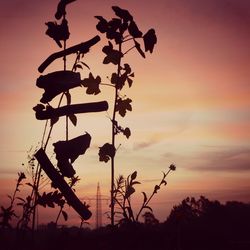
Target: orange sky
[191,97]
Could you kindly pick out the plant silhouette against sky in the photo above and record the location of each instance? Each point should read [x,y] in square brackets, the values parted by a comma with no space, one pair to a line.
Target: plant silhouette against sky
[120,30]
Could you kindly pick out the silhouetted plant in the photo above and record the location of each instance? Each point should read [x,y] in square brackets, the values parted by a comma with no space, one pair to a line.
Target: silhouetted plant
[125,188]
[54,84]
[8,213]
[119,30]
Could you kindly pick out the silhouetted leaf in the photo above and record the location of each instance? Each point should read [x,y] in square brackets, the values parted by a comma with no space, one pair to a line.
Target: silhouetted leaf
[21,176]
[133,176]
[164,182]
[114,24]
[122,106]
[156,188]
[150,40]
[29,184]
[138,47]
[78,66]
[135,182]
[123,27]
[84,64]
[68,97]
[130,190]
[65,215]
[147,207]
[130,81]
[58,32]
[121,81]
[92,84]
[106,152]
[127,132]
[114,78]
[39,107]
[73,119]
[124,14]
[21,199]
[112,56]
[133,30]
[127,68]
[145,197]
[102,26]
[130,212]
[53,121]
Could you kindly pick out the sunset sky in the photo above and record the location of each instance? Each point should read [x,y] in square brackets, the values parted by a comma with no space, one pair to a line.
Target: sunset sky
[191,97]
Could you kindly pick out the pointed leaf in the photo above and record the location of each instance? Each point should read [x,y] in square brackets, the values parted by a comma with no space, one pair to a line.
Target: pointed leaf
[29,184]
[145,197]
[68,96]
[102,26]
[21,199]
[73,119]
[122,13]
[78,66]
[138,47]
[84,64]
[135,182]
[133,176]
[130,81]
[133,30]
[147,207]
[65,215]
[130,190]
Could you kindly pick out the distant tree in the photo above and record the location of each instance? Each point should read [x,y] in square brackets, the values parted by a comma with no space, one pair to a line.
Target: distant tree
[149,219]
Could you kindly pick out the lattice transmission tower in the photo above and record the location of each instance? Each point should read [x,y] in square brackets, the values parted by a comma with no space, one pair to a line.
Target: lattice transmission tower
[98,207]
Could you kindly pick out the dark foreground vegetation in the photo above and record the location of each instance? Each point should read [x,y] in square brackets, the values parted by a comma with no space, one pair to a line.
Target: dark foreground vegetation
[195,224]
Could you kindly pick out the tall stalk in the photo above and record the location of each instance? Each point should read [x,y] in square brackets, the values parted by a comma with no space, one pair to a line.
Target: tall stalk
[113,144]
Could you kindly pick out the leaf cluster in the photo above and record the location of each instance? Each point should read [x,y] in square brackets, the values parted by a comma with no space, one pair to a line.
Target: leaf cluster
[126,76]
[51,199]
[121,29]
[106,152]
[118,129]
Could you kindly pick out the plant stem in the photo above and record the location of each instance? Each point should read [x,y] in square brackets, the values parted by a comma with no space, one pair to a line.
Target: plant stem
[113,144]
[58,216]
[128,50]
[149,199]
[39,170]
[64,68]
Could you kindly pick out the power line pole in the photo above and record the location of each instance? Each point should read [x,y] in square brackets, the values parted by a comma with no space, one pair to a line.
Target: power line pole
[98,207]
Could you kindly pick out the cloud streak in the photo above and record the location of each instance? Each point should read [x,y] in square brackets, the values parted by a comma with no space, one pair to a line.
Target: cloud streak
[236,159]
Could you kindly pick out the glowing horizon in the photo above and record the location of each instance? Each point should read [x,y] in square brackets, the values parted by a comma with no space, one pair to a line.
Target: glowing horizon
[191,97]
